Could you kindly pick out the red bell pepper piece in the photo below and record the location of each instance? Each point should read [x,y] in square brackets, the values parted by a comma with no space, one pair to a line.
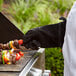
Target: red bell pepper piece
[21,53]
[20,41]
[6,59]
[17,57]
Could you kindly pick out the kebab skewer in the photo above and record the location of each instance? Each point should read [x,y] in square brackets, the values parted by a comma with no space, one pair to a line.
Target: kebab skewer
[11,44]
[10,56]
[10,53]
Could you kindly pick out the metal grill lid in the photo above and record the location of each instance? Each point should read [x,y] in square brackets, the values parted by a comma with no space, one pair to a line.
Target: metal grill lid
[8,31]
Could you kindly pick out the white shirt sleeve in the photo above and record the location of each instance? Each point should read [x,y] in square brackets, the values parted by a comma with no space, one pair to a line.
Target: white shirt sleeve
[69,46]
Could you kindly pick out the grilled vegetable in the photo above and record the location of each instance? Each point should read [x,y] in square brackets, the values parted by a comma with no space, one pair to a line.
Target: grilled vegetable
[11,51]
[6,59]
[3,57]
[17,57]
[21,53]
[20,42]
[9,63]
[11,45]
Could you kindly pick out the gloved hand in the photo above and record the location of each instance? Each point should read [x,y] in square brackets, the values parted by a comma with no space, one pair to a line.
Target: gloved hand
[46,36]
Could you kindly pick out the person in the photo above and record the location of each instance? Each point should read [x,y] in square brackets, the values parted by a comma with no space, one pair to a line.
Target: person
[46,36]
[62,35]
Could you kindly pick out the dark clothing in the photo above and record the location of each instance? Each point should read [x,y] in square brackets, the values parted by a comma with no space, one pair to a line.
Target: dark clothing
[47,36]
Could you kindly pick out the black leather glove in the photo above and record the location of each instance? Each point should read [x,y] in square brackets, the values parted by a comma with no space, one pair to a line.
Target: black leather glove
[46,36]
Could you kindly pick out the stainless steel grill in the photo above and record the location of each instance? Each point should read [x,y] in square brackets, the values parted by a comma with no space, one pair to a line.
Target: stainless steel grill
[23,66]
[10,32]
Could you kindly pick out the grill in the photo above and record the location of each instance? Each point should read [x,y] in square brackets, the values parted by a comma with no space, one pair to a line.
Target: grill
[9,31]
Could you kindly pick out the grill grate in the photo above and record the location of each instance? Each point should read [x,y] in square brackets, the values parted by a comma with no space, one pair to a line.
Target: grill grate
[28,55]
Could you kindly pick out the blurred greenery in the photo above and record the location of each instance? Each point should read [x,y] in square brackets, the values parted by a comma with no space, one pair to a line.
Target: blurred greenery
[54,61]
[61,5]
[1,2]
[28,14]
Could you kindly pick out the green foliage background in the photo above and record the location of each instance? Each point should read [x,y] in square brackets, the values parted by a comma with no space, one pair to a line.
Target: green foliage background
[28,14]
[54,61]
[1,2]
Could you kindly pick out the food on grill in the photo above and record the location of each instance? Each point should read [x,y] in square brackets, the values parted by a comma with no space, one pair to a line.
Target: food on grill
[11,52]
[10,56]
[16,44]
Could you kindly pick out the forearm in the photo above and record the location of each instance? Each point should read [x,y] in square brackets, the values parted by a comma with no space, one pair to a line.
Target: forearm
[54,34]
[46,36]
